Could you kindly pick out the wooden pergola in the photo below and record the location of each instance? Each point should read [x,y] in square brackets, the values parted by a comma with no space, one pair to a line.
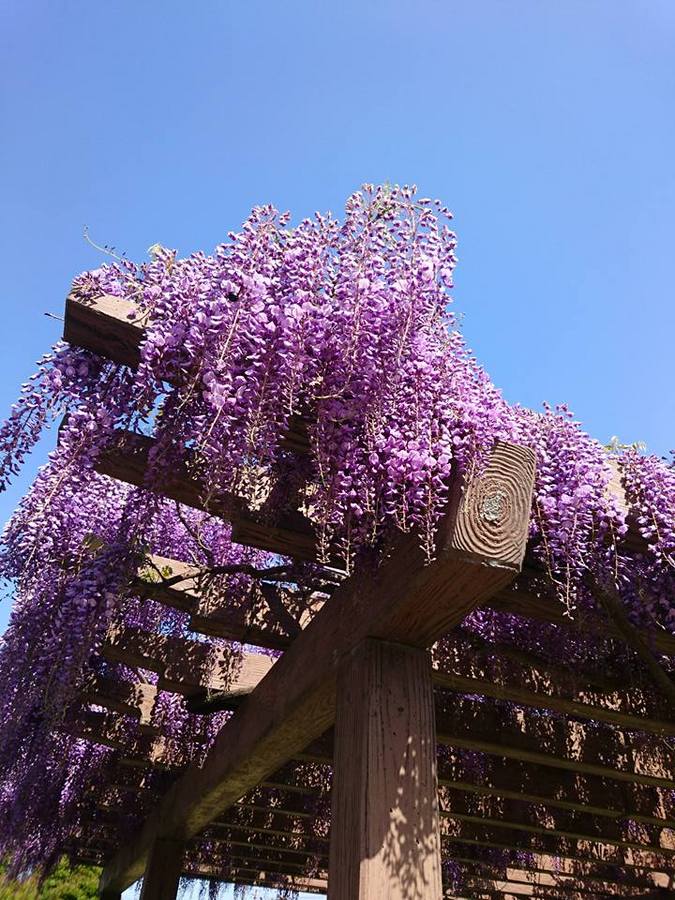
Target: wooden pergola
[362,688]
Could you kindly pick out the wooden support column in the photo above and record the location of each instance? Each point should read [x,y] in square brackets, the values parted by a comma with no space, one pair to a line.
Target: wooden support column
[385,842]
[479,550]
[163,870]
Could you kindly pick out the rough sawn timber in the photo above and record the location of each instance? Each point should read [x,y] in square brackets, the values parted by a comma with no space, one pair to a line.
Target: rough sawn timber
[480,550]
[385,842]
[162,874]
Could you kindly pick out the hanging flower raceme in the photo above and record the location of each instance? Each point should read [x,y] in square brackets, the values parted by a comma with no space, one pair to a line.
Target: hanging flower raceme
[342,333]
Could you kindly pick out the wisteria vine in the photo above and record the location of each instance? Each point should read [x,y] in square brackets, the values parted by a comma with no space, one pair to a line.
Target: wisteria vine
[346,327]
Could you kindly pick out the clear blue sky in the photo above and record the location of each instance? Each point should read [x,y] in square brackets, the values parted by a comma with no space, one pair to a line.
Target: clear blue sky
[548,127]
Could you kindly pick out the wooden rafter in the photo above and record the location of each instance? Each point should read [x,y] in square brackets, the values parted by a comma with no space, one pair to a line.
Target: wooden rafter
[404,600]
[584,776]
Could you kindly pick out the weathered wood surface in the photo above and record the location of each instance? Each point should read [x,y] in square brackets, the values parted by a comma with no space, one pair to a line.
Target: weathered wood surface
[578,857]
[624,708]
[554,741]
[136,700]
[455,804]
[504,837]
[163,870]
[189,666]
[595,758]
[253,877]
[552,787]
[262,623]
[404,600]
[480,887]
[591,849]
[145,749]
[126,459]
[505,889]
[274,841]
[462,807]
[385,839]
[654,724]
[111,327]
[521,734]
[521,599]
[517,599]
[104,327]
[546,786]
[184,666]
[630,887]
[543,863]
[534,685]
[245,861]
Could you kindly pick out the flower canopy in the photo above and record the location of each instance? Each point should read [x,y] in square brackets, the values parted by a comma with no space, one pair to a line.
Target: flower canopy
[343,330]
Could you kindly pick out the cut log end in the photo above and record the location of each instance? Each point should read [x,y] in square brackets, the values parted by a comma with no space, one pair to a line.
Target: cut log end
[492,512]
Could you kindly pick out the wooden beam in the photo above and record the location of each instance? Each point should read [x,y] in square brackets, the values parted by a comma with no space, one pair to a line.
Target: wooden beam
[104,729]
[126,459]
[552,787]
[513,779]
[630,887]
[257,878]
[552,741]
[270,824]
[136,700]
[468,822]
[513,821]
[246,626]
[249,860]
[560,691]
[607,773]
[283,843]
[504,889]
[268,615]
[543,863]
[600,751]
[522,599]
[480,548]
[184,666]
[506,838]
[580,788]
[484,885]
[548,788]
[104,326]
[464,807]
[113,328]
[163,870]
[613,709]
[384,826]
[189,666]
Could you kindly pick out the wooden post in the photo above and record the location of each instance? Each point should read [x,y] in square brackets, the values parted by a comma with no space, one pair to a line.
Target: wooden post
[480,549]
[385,842]
[163,870]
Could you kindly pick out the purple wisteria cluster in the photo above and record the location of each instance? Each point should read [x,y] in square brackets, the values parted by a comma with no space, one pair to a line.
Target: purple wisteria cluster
[344,326]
